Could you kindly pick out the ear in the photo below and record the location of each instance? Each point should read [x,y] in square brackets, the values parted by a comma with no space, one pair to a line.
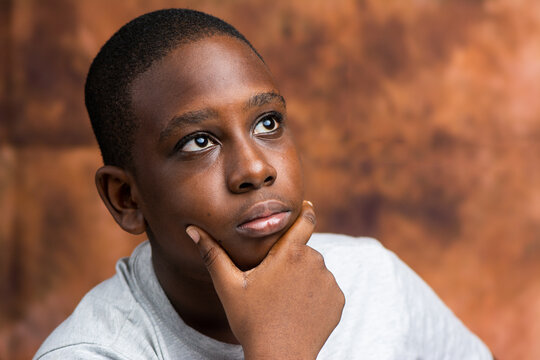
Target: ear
[119,193]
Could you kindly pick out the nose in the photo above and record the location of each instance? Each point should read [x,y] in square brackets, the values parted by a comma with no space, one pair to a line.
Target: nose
[248,169]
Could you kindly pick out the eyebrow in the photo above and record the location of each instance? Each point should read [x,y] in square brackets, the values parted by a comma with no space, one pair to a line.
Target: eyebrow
[263,99]
[197,116]
[190,117]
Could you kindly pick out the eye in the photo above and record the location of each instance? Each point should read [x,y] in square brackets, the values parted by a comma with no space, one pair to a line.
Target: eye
[267,124]
[197,143]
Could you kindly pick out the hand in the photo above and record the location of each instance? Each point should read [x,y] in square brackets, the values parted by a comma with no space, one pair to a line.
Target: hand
[287,306]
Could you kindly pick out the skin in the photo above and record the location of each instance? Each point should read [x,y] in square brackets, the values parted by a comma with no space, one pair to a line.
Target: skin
[220,278]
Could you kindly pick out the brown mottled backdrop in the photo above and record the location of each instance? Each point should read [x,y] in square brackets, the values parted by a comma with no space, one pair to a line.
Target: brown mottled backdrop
[419,121]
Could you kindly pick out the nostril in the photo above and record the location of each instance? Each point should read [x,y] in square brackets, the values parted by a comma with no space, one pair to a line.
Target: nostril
[245,185]
[255,185]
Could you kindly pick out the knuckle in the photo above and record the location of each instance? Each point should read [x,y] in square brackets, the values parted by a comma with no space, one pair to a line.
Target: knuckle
[339,295]
[342,299]
[330,279]
[210,257]
[340,312]
[319,258]
[316,257]
[310,217]
[331,283]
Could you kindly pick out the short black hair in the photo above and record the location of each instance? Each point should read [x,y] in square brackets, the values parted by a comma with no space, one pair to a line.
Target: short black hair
[126,55]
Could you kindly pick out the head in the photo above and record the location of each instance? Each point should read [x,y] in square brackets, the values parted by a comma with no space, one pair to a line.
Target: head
[193,131]
[126,55]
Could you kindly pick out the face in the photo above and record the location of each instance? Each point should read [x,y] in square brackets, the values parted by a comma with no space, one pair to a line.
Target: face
[214,150]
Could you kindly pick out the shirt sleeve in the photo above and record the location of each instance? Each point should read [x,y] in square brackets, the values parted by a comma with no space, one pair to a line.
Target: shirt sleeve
[434,331]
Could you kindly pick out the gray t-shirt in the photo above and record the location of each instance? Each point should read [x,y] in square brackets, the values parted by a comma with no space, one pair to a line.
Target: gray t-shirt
[390,313]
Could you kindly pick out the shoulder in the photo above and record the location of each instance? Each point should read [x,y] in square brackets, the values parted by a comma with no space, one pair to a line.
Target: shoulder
[108,322]
[81,351]
[341,241]
[334,244]
[346,255]
[388,306]
[362,267]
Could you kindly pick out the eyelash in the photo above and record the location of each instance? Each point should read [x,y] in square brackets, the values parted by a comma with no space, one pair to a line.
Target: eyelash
[183,142]
[277,117]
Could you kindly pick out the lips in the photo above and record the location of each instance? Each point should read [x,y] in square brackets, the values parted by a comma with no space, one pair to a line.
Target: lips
[264,218]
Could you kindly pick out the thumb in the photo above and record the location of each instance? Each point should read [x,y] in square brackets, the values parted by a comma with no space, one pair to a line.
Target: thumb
[217,261]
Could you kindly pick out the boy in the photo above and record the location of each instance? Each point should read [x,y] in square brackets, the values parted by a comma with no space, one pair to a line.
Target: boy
[198,154]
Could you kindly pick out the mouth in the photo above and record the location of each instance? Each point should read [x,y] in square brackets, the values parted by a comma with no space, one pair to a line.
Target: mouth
[264,219]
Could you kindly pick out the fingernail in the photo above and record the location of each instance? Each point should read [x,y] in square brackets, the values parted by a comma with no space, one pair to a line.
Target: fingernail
[193,234]
[310,203]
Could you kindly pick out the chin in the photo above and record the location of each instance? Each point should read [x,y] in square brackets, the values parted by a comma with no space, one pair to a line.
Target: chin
[253,254]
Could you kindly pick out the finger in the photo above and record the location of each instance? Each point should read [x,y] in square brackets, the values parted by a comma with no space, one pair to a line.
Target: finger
[300,232]
[217,261]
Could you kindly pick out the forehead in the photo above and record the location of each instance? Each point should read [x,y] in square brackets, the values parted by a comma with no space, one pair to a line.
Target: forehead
[209,73]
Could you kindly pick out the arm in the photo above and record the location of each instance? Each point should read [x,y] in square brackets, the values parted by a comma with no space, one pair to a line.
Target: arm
[433,328]
[82,351]
[285,308]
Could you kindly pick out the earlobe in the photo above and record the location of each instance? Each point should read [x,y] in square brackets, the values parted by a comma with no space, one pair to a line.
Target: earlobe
[117,190]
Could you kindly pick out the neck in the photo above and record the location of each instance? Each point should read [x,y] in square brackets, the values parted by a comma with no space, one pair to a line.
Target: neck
[194,299]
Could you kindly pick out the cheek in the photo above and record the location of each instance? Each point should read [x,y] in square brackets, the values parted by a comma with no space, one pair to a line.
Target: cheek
[197,202]
[181,200]
[291,171]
